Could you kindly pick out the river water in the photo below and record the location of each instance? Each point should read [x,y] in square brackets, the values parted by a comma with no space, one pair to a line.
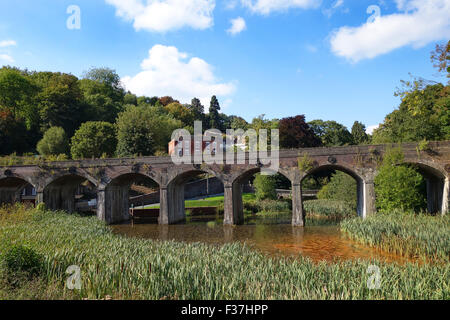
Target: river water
[275,237]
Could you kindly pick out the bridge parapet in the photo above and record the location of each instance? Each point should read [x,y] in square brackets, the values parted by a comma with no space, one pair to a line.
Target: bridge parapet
[55,182]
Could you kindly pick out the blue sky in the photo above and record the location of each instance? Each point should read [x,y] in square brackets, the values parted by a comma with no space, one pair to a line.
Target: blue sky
[321,58]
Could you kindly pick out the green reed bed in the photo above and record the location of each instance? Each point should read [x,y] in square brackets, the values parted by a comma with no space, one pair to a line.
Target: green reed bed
[329,209]
[268,206]
[130,268]
[317,212]
[409,234]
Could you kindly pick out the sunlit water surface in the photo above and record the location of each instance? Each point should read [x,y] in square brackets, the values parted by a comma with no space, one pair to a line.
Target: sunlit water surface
[275,237]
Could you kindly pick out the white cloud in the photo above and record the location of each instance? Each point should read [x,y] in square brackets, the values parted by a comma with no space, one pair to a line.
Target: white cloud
[166,15]
[237,25]
[370,129]
[168,71]
[7,58]
[419,23]
[7,43]
[267,6]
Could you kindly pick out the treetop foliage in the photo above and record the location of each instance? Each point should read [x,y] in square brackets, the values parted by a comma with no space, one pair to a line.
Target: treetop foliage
[33,102]
[397,185]
[296,133]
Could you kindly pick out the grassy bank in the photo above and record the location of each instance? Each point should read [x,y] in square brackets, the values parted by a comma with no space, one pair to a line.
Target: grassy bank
[130,268]
[208,202]
[418,235]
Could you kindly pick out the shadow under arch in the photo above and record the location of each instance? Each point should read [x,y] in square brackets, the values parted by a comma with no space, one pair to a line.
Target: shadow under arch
[117,195]
[176,195]
[360,185]
[437,186]
[59,192]
[236,202]
[11,188]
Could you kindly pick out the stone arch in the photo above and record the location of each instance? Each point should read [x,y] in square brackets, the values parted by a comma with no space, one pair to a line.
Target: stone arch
[61,176]
[174,211]
[113,199]
[234,209]
[11,186]
[340,167]
[364,185]
[437,185]
[248,172]
[190,172]
[58,191]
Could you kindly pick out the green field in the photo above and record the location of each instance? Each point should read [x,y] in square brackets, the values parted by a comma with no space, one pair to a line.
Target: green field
[206,202]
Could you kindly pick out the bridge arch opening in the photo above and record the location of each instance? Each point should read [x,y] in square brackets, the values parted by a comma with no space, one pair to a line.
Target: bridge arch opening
[337,183]
[192,185]
[14,189]
[130,191]
[436,188]
[243,184]
[71,193]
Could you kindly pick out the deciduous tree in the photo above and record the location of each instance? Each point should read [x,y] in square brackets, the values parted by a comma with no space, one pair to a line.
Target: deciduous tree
[93,140]
[359,135]
[54,142]
[331,133]
[296,133]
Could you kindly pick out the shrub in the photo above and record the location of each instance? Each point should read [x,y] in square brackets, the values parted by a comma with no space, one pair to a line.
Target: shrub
[251,205]
[54,142]
[21,260]
[265,187]
[304,163]
[341,187]
[398,186]
[92,139]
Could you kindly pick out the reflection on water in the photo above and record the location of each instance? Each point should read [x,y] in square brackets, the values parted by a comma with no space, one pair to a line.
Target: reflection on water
[269,236]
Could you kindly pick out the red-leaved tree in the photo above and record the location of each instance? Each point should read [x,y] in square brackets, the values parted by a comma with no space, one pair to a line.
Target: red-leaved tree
[296,133]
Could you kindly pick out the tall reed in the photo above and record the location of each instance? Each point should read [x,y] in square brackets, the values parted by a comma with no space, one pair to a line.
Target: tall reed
[131,268]
[408,234]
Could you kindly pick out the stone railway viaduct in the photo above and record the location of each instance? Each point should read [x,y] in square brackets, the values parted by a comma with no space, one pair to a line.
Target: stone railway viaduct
[56,182]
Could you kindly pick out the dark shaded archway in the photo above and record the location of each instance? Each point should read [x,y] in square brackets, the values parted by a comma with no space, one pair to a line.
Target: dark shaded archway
[329,169]
[177,193]
[437,187]
[11,189]
[60,193]
[117,196]
[234,200]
